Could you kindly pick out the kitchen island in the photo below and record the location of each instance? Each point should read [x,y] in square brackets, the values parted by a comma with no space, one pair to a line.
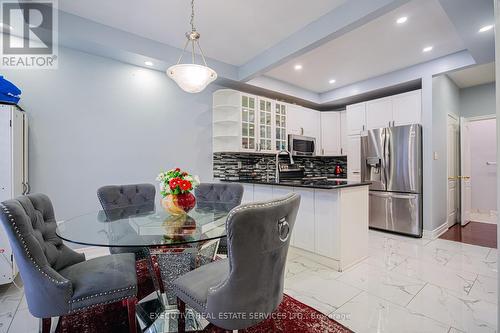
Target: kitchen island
[332,222]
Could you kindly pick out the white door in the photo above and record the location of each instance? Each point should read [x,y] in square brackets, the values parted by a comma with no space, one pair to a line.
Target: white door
[465,171]
[453,169]
[379,113]
[356,118]
[343,133]
[354,158]
[330,133]
[407,108]
[5,154]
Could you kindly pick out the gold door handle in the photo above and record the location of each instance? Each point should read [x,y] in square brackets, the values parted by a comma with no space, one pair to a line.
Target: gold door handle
[464,177]
[453,178]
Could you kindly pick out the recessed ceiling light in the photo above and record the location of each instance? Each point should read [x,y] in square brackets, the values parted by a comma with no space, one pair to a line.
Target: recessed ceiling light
[148,63]
[402,20]
[298,67]
[332,81]
[427,49]
[486,28]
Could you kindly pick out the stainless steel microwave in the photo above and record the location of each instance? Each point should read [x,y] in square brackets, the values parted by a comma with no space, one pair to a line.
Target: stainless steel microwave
[300,145]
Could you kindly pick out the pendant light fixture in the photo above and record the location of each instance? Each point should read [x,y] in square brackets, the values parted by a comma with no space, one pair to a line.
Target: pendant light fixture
[192,77]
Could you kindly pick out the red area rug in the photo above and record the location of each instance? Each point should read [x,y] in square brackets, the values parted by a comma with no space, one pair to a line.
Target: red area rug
[291,316]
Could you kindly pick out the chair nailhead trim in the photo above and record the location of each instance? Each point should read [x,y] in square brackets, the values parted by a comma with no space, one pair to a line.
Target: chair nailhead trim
[21,238]
[97,304]
[102,294]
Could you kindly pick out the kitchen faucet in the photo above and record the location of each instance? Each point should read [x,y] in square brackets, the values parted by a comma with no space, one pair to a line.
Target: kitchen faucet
[277,180]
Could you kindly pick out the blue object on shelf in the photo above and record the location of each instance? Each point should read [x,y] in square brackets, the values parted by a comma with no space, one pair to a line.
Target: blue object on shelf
[8,91]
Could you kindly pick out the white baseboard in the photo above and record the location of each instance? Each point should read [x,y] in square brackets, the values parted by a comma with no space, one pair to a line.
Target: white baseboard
[433,234]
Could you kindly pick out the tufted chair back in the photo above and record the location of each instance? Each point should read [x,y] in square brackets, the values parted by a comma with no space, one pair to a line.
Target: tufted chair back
[227,196]
[258,236]
[119,201]
[30,225]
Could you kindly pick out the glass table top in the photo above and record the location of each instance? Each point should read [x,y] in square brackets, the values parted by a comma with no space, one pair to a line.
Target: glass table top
[143,226]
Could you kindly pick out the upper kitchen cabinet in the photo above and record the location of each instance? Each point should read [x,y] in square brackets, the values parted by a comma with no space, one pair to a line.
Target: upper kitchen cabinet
[407,108]
[265,125]
[379,113]
[356,118]
[330,133]
[402,109]
[280,118]
[248,123]
[343,133]
[303,121]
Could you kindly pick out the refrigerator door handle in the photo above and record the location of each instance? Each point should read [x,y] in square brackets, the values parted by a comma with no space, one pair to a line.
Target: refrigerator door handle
[386,162]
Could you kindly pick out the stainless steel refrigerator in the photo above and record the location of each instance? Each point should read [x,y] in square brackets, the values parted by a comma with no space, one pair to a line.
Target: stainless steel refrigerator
[391,158]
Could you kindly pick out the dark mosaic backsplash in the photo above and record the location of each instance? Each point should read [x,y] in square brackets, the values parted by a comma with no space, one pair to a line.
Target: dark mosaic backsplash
[251,166]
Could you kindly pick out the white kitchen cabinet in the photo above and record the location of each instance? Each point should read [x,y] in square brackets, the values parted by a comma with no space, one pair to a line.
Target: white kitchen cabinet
[248,123]
[304,224]
[325,222]
[265,125]
[379,113]
[354,157]
[407,108]
[303,121]
[280,117]
[330,134]
[356,118]
[343,133]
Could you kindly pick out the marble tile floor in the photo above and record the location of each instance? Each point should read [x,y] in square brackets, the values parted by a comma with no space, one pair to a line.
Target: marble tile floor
[406,285]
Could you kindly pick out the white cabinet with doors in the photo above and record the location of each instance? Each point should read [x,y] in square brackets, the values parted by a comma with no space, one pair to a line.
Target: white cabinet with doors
[304,121]
[356,118]
[330,134]
[248,123]
[354,157]
[343,133]
[379,113]
[407,108]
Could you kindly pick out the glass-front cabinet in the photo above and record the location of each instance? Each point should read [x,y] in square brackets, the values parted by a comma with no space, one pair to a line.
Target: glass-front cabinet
[280,126]
[247,123]
[265,125]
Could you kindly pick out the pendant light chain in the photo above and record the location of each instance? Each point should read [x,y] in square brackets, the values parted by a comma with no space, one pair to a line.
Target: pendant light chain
[192,16]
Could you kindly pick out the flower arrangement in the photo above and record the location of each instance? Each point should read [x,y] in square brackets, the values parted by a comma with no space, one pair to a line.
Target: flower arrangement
[176,182]
[175,187]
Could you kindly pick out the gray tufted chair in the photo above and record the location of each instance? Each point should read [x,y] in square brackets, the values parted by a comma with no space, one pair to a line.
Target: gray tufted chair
[57,280]
[251,280]
[121,201]
[219,195]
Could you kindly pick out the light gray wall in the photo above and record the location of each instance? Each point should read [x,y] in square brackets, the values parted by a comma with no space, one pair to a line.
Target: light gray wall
[446,99]
[97,121]
[478,100]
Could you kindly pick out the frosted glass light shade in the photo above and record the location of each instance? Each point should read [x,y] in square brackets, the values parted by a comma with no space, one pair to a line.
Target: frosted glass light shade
[192,78]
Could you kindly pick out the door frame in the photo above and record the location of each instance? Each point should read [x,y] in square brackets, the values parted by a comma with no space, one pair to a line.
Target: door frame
[457,216]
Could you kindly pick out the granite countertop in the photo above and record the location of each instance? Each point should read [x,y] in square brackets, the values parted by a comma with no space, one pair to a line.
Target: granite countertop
[325,185]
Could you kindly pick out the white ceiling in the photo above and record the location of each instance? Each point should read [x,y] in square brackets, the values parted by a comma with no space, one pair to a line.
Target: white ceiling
[474,76]
[232,31]
[376,48]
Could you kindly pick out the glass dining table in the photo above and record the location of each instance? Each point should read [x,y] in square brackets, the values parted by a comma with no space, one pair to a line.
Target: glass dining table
[175,243]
